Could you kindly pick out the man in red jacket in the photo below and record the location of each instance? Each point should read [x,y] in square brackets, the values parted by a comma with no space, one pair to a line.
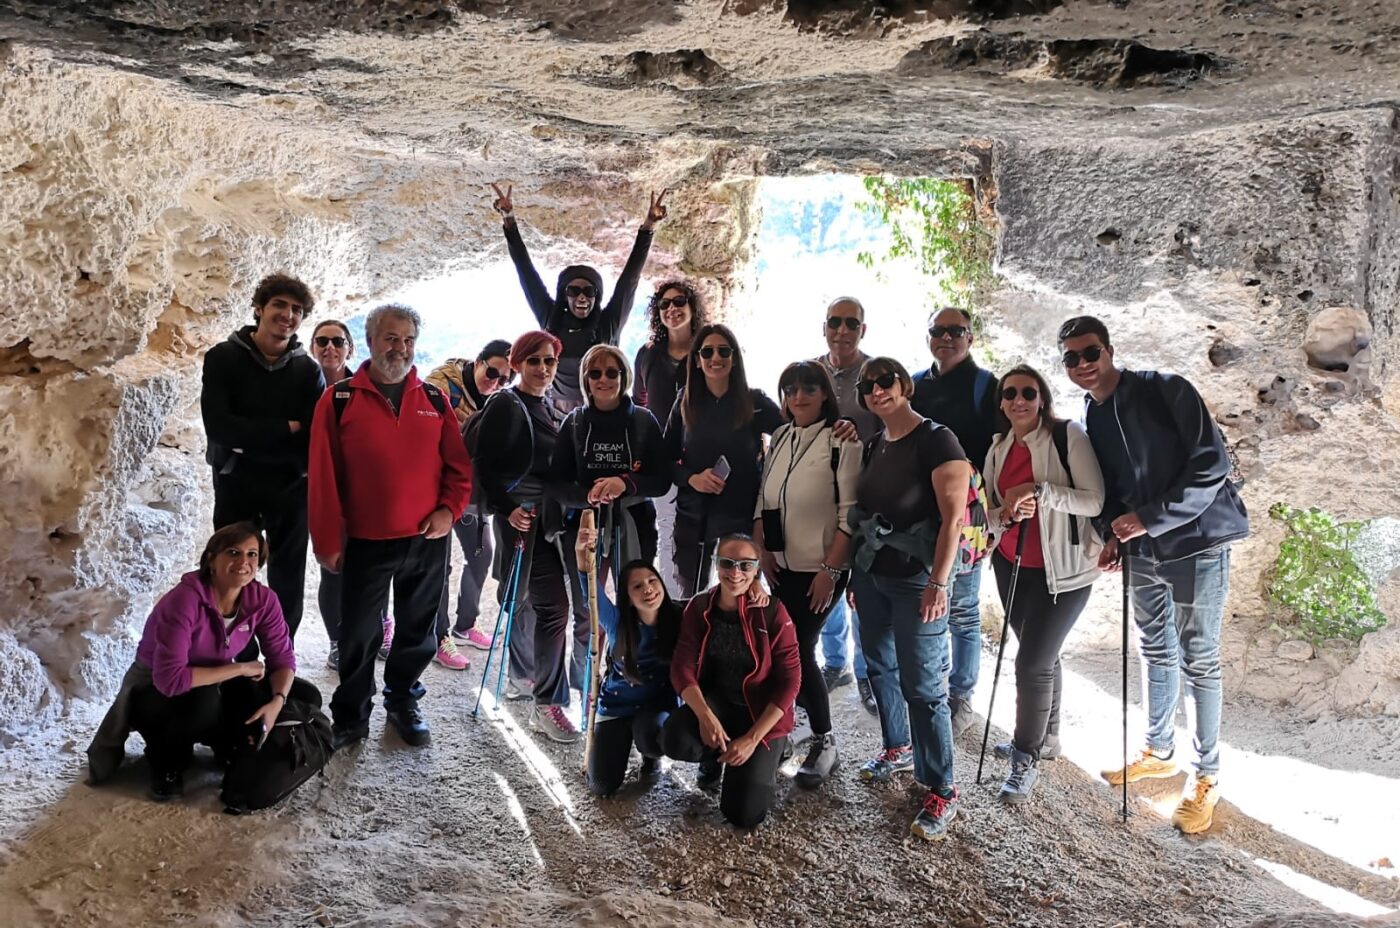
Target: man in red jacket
[388,477]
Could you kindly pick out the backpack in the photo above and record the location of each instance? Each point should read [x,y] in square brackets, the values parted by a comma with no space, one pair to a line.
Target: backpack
[341,398]
[471,430]
[296,749]
[1059,434]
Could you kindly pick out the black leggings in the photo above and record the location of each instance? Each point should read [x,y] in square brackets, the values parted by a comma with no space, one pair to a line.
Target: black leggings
[212,715]
[747,792]
[1042,623]
[612,747]
[792,592]
[544,578]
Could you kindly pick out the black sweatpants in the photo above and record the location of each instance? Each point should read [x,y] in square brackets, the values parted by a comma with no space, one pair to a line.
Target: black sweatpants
[212,715]
[1041,623]
[543,578]
[747,792]
[792,593]
[695,548]
[414,567]
[279,505]
[475,537]
[612,747]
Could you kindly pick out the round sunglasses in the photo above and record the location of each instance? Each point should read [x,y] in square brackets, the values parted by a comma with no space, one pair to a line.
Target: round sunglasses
[850,322]
[1029,394]
[709,351]
[1088,356]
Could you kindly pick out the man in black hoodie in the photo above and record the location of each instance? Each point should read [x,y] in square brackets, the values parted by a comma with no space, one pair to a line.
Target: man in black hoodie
[260,388]
[571,314]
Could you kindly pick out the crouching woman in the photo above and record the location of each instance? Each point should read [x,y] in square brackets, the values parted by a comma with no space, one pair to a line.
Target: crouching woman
[185,687]
[737,669]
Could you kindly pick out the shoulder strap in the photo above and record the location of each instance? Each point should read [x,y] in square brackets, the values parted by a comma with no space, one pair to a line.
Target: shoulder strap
[835,466]
[436,398]
[530,431]
[340,398]
[1059,434]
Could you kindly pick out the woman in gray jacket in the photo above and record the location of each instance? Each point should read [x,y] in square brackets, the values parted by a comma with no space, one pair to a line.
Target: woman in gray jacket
[1042,478]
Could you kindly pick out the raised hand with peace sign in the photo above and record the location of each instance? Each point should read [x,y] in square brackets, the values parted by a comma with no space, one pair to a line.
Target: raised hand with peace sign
[657,210]
[503,204]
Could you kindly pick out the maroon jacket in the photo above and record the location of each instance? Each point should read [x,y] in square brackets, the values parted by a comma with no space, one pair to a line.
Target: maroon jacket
[772,640]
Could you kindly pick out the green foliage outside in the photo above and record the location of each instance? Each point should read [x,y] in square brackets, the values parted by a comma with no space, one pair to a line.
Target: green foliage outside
[1317,578]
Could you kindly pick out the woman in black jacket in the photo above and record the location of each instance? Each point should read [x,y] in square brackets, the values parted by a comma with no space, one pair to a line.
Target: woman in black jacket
[574,313]
[714,436]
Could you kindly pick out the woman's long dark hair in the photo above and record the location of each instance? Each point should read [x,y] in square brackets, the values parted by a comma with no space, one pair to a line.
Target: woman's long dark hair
[659,335]
[629,623]
[1047,402]
[695,379]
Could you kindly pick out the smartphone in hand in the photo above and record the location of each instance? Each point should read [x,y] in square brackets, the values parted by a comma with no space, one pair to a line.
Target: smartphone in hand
[721,468]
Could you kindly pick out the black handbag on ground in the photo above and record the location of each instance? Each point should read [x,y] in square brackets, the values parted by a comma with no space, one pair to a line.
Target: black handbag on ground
[296,749]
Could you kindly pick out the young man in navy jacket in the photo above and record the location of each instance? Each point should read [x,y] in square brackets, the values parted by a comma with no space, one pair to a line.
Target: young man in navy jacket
[1171,507]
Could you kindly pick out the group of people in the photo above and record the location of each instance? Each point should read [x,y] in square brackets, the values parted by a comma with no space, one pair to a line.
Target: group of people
[845,523]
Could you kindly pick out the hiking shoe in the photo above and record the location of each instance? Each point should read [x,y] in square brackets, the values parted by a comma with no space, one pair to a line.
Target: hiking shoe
[553,722]
[1049,748]
[933,819]
[887,763]
[867,697]
[963,716]
[410,725]
[1197,808]
[388,640]
[709,775]
[166,785]
[342,736]
[333,658]
[837,677]
[1020,781]
[448,656]
[517,690]
[822,758]
[1145,765]
[650,769]
[475,638]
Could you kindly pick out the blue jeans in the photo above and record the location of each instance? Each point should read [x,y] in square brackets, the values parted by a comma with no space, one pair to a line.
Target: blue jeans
[905,658]
[965,623]
[839,624]
[1178,607]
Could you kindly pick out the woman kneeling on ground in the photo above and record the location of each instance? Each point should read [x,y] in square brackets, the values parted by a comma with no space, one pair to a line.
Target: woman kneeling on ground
[1029,490]
[184,686]
[736,667]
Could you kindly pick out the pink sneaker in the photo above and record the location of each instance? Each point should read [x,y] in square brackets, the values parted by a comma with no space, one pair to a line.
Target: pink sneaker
[448,656]
[388,641]
[475,638]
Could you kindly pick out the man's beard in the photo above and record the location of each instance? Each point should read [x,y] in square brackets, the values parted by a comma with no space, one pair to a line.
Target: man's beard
[393,366]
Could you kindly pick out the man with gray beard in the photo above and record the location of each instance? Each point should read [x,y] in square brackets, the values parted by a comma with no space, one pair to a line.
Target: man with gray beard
[389,475]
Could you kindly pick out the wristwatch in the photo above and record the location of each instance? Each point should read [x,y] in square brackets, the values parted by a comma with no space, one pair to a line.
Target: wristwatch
[1039,488]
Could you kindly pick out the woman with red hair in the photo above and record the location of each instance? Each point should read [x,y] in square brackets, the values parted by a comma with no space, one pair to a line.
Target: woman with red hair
[514,443]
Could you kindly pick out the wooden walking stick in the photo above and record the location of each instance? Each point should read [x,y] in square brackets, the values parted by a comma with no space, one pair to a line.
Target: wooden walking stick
[588,522]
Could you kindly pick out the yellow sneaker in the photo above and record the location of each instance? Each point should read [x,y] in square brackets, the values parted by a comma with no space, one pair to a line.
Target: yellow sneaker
[1197,808]
[1144,766]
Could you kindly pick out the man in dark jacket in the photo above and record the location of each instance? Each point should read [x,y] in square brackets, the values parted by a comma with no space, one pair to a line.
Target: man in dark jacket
[957,393]
[571,314]
[1171,507]
[260,388]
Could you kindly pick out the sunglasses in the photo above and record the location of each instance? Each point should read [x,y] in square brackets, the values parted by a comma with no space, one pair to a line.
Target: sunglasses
[323,340]
[573,292]
[666,302]
[1028,394]
[709,351]
[806,389]
[885,382]
[949,331]
[547,361]
[851,322]
[611,373]
[493,375]
[1088,355]
[743,565]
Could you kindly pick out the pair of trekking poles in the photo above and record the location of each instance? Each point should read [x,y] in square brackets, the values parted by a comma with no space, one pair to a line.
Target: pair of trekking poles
[1001,650]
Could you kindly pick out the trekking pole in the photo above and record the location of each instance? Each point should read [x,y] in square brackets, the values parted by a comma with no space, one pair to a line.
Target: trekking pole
[593,668]
[523,543]
[1127,582]
[1001,647]
[508,609]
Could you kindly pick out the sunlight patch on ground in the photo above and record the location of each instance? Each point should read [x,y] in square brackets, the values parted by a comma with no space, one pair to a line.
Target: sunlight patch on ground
[517,812]
[1338,900]
[536,761]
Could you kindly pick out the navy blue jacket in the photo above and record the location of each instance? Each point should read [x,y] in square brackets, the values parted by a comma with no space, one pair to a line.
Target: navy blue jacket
[1178,479]
[965,400]
[619,697]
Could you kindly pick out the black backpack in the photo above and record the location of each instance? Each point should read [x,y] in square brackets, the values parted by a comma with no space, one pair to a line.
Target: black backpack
[296,749]
[340,398]
[1059,434]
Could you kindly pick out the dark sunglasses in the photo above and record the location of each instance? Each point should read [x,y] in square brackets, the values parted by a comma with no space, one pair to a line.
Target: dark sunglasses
[679,302]
[851,322]
[611,373]
[536,361]
[746,565]
[709,351]
[493,375]
[323,340]
[806,389]
[885,382]
[951,331]
[1088,355]
[1028,394]
[572,292]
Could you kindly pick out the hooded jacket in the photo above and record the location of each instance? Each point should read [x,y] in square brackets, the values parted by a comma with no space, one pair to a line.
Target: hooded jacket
[601,327]
[246,402]
[619,697]
[640,455]
[699,445]
[456,378]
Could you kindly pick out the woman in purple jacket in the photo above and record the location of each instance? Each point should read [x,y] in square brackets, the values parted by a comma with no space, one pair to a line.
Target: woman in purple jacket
[185,686]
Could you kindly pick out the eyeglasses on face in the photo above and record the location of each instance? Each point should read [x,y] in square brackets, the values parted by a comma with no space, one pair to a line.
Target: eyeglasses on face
[548,360]
[611,373]
[1089,355]
[664,303]
[885,382]
[324,340]
[1028,394]
[709,351]
[576,292]
[493,374]
[743,565]
[850,322]
[948,331]
[806,389]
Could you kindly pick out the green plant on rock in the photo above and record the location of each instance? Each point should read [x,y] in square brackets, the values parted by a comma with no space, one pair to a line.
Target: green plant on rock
[935,224]
[1317,578]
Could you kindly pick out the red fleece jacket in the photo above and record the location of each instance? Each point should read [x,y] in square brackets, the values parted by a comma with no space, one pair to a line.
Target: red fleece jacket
[772,640]
[376,476]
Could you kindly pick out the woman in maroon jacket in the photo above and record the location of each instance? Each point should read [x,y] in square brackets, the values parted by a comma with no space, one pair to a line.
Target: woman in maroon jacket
[737,669]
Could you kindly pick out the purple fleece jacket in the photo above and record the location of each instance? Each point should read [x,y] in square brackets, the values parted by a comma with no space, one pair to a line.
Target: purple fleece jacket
[186,631]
